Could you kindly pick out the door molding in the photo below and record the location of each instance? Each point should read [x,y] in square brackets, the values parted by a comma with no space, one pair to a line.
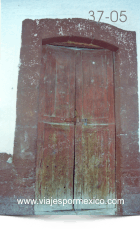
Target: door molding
[89,33]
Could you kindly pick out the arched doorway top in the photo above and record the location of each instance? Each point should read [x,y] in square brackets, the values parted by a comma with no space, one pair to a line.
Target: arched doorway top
[78,29]
[81,42]
[86,31]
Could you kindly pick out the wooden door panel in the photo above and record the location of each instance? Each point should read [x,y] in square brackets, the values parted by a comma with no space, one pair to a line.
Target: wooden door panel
[57,86]
[55,153]
[94,164]
[94,85]
[95,131]
[55,164]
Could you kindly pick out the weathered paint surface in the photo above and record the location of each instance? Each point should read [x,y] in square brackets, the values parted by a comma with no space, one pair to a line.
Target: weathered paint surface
[76,127]
[95,135]
[55,159]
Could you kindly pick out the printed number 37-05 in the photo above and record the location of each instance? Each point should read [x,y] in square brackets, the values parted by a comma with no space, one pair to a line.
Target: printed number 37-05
[114,16]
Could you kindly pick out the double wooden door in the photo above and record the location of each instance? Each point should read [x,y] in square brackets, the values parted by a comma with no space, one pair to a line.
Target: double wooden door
[76,128]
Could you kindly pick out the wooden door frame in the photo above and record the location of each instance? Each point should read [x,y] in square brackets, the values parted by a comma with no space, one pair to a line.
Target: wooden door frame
[90,33]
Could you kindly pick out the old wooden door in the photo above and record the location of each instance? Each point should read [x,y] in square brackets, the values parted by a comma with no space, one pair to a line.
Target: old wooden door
[76,128]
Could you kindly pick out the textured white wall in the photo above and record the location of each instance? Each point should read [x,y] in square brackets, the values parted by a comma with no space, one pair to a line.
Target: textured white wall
[13,12]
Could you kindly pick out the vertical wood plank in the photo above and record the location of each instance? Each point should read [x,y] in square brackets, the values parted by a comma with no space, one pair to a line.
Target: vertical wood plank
[55,156]
[95,134]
